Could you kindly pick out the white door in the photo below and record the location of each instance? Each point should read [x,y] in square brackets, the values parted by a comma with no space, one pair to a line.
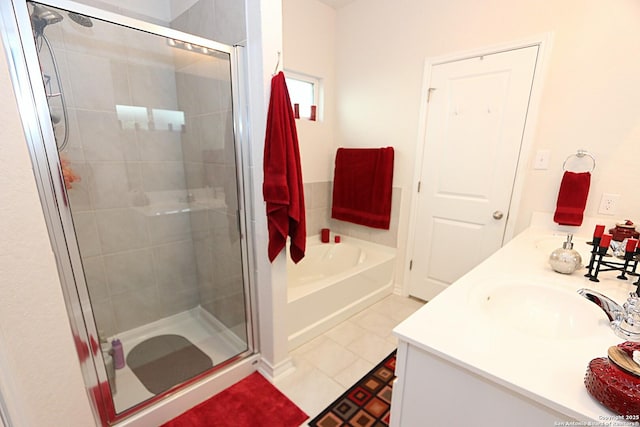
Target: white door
[476,116]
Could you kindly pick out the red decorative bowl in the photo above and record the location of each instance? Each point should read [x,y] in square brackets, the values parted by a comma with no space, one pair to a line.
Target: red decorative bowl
[611,386]
[624,230]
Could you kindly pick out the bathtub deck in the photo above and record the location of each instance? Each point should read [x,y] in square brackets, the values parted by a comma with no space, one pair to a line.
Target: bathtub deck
[364,277]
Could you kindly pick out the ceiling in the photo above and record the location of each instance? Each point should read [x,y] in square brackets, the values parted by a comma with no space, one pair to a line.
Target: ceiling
[337,4]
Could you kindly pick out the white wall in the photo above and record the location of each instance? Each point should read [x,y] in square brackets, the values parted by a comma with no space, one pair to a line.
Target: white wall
[309,41]
[264,37]
[40,375]
[589,99]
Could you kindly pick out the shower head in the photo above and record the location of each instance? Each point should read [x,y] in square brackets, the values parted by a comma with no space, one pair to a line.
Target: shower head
[85,21]
[42,16]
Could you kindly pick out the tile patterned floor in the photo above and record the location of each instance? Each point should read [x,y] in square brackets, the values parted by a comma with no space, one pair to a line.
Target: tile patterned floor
[331,363]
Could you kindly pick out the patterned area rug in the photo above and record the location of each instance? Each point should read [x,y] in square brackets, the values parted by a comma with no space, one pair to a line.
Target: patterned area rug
[365,404]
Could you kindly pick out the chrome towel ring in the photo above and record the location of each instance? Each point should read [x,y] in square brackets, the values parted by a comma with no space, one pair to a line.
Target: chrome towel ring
[580,154]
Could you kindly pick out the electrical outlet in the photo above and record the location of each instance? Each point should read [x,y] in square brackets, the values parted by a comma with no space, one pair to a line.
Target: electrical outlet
[608,204]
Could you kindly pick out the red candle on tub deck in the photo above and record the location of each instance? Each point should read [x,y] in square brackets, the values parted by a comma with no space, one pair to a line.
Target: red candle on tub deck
[598,231]
[336,239]
[631,245]
[324,235]
[606,241]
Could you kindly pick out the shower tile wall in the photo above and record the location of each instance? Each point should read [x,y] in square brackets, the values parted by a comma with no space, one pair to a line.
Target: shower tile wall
[220,20]
[317,200]
[210,162]
[141,267]
[318,211]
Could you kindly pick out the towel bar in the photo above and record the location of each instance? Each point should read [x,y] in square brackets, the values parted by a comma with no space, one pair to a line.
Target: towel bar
[580,154]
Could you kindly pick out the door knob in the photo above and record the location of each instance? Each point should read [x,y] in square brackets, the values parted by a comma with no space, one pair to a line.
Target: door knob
[498,215]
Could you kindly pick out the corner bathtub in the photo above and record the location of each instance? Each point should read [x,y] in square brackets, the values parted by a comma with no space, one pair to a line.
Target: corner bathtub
[333,282]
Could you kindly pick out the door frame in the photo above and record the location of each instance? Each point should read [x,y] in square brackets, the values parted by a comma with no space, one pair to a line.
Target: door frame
[543,41]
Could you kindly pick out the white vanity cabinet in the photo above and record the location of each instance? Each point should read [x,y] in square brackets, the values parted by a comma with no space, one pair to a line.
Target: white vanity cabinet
[431,391]
[464,360]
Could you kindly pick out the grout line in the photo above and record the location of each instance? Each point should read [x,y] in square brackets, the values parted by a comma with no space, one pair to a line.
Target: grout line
[310,388]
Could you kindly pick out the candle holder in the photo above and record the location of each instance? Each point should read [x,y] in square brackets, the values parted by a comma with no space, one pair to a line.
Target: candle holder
[597,237]
[626,266]
[629,256]
[594,253]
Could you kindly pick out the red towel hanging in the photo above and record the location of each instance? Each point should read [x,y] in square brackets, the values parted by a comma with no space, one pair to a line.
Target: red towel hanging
[572,198]
[282,188]
[362,186]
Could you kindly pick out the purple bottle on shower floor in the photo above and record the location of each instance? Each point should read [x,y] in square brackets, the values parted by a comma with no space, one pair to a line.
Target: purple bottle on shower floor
[118,354]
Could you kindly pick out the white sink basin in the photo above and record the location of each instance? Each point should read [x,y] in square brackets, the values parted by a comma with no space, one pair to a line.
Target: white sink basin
[540,310]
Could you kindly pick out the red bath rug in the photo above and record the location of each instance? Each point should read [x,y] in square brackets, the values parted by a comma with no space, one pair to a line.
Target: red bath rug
[252,402]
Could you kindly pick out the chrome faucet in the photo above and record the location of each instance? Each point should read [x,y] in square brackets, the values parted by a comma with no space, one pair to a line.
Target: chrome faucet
[624,320]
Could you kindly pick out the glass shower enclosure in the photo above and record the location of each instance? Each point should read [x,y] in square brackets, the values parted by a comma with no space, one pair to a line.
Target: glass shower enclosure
[143,190]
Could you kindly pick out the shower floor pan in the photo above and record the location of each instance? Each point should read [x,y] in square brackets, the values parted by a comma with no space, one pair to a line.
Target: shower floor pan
[196,325]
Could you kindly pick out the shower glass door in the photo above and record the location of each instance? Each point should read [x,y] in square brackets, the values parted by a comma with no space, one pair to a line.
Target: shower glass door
[144,128]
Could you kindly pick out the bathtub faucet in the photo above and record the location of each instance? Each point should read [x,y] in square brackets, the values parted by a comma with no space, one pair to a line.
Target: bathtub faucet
[624,320]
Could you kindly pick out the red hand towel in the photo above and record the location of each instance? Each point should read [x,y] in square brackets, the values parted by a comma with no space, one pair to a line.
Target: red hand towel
[572,198]
[282,187]
[362,186]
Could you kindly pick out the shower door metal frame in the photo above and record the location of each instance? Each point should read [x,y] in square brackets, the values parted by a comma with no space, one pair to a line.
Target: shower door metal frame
[24,68]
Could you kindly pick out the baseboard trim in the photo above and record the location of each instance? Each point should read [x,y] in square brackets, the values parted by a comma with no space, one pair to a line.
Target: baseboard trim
[273,373]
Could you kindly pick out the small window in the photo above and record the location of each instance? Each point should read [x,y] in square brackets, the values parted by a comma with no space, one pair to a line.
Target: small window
[304,91]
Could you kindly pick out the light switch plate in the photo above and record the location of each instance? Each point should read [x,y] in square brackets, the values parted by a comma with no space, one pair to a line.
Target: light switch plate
[541,161]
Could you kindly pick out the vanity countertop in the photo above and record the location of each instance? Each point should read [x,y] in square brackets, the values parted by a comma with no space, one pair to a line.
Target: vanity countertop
[457,327]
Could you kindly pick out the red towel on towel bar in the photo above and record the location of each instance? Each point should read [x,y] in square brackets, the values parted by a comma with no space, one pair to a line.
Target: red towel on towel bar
[282,187]
[362,185]
[572,198]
